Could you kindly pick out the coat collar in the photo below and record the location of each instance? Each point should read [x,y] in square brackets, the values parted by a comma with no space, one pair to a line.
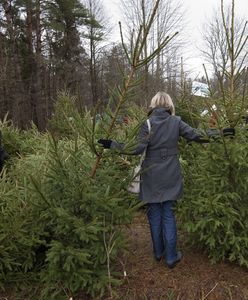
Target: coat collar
[160,111]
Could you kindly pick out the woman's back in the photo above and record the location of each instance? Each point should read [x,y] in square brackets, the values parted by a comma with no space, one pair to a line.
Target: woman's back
[165,130]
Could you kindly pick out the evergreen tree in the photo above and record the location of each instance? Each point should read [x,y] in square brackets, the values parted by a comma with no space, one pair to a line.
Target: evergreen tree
[215,212]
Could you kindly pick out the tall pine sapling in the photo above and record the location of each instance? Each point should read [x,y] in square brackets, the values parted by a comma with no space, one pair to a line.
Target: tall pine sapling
[215,211]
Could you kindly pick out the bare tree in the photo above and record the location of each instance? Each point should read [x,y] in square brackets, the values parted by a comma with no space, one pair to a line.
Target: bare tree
[226,50]
[216,48]
[13,86]
[95,36]
[168,20]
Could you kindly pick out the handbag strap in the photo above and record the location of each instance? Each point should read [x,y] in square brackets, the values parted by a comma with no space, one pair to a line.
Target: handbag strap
[149,125]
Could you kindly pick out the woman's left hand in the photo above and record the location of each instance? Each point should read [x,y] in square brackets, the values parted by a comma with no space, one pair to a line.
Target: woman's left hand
[229,131]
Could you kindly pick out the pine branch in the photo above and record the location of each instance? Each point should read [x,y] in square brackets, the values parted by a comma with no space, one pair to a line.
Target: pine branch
[123,45]
[123,91]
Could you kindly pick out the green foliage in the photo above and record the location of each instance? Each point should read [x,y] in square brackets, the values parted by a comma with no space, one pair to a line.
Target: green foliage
[215,209]
[189,111]
[61,230]
[65,112]
[17,142]
[19,232]
[79,214]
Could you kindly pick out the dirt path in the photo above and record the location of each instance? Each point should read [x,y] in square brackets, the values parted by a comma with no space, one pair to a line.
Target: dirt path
[193,278]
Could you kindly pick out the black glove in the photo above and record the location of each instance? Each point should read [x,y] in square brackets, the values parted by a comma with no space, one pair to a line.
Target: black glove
[105,143]
[201,140]
[229,132]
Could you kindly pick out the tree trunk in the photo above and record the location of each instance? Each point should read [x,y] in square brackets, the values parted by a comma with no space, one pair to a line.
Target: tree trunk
[14,89]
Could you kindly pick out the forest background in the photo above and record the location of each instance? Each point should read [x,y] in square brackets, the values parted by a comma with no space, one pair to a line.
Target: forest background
[47,46]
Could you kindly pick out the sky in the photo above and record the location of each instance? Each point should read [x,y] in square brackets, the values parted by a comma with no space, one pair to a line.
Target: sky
[197,13]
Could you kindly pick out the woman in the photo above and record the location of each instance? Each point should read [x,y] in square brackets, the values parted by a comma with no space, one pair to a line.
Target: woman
[161,178]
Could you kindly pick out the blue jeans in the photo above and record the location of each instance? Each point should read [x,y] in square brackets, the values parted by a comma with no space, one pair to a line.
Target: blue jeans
[163,230]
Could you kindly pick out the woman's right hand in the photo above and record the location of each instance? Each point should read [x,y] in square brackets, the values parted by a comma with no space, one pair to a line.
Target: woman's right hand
[105,143]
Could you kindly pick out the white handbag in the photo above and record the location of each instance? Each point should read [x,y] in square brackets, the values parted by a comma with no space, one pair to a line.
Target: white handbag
[134,187]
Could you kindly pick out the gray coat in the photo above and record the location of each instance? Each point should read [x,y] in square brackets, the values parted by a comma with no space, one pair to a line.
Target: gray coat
[161,177]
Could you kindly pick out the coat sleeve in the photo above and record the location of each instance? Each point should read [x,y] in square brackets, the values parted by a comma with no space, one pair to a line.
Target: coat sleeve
[142,142]
[190,134]
[3,156]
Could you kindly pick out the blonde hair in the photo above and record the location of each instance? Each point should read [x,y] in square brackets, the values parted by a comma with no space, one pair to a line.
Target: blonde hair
[162,99]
